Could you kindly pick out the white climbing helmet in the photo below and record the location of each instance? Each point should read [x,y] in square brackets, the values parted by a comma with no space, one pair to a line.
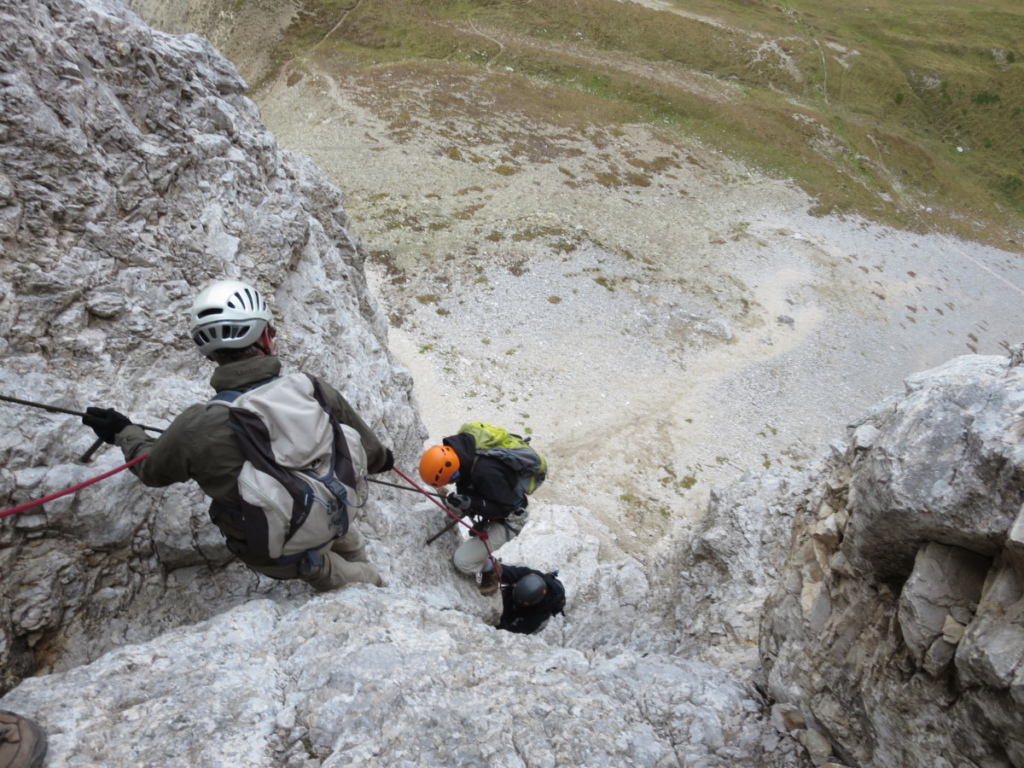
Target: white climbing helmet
[228,314]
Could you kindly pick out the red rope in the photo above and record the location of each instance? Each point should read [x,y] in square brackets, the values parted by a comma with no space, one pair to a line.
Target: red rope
[482,535]
[66,491]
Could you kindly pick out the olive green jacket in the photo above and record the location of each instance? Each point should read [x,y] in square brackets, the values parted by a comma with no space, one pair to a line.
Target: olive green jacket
[200,445]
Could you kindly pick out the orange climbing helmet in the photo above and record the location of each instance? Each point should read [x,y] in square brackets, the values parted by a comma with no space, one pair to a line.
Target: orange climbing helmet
[438,465]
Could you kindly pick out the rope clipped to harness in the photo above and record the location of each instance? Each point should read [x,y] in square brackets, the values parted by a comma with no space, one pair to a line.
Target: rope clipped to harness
[72,489]
[482,535]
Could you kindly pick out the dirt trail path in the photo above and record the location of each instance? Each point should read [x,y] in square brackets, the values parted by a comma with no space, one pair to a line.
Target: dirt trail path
[661,5]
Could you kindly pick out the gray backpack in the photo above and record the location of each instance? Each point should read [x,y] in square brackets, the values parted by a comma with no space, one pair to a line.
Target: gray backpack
[304,471]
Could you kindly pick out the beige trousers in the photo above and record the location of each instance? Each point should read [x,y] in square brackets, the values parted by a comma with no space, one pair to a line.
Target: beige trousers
[471,554]
[343,562]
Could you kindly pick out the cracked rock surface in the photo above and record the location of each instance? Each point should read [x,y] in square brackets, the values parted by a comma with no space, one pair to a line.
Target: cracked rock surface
[134,169]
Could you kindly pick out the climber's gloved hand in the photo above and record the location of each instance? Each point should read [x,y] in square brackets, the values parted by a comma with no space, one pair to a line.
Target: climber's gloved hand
[389,462]
[105,422]
[458,501]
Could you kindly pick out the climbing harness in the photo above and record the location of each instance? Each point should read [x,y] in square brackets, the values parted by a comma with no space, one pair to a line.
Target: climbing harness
[66,491]
[482,535]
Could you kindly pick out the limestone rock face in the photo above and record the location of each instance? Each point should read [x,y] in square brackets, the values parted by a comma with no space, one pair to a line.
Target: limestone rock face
[133,171]
[353,679]
[730,564]
[897,624]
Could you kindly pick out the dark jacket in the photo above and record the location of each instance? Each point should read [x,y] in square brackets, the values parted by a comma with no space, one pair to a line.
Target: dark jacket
[527,620]
[200,445]
[491,484]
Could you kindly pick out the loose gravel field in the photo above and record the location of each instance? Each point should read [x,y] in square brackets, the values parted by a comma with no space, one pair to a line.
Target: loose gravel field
[660,318]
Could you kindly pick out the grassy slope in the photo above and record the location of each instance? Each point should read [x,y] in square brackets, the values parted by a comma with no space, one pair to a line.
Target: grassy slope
[908,111]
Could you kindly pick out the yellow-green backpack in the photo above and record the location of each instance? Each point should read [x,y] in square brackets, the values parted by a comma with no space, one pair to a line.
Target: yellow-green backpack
[512,449]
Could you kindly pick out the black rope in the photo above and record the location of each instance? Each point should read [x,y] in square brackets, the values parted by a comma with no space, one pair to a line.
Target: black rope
[440,533]
[405,488]
[57,409]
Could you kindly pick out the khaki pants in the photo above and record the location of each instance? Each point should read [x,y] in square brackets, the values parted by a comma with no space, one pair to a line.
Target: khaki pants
[471,554]
[343,562]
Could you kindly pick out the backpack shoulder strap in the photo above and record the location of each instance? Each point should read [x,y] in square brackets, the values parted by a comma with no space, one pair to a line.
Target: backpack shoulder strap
[228,396]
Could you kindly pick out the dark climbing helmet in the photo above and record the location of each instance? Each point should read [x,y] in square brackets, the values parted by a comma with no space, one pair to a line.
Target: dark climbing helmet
[228,314]
[529,590]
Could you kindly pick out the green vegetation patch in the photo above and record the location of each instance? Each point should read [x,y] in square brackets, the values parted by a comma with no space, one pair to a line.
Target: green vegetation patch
[883,109]
[467,212]
[532,233]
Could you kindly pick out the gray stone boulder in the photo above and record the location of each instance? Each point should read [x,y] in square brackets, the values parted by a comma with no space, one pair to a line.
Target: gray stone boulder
[896,628]
[354,678]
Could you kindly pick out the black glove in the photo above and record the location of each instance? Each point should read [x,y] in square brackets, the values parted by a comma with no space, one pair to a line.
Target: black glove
[459,501]
[105,422]
[389,462]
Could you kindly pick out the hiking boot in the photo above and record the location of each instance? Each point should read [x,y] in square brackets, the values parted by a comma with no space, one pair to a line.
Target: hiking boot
[489,582]
[22,742]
